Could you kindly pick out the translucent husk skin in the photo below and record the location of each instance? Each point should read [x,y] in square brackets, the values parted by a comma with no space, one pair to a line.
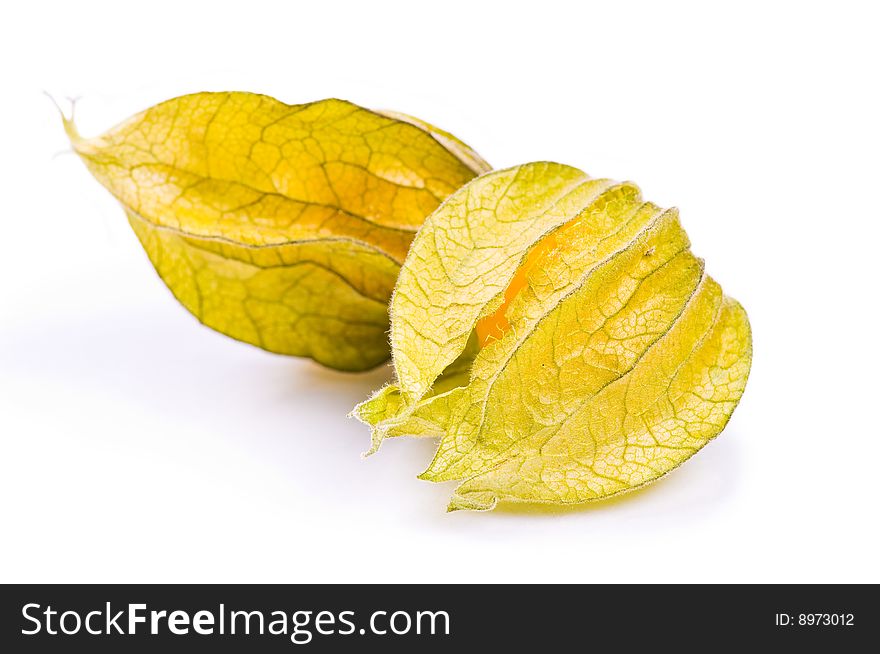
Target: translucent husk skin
[283,226]
[558,336]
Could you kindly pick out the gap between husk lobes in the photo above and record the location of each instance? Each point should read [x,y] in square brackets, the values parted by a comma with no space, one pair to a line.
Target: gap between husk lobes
[616,359]
[280,225]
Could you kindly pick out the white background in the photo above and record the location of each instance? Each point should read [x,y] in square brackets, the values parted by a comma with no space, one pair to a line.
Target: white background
[139,446]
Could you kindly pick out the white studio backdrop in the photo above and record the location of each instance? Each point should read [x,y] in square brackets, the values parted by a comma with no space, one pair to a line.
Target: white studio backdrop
[140,446]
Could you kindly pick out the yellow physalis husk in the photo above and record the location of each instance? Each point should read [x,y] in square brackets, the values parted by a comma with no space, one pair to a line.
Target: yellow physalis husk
[557,335]
[280,225]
